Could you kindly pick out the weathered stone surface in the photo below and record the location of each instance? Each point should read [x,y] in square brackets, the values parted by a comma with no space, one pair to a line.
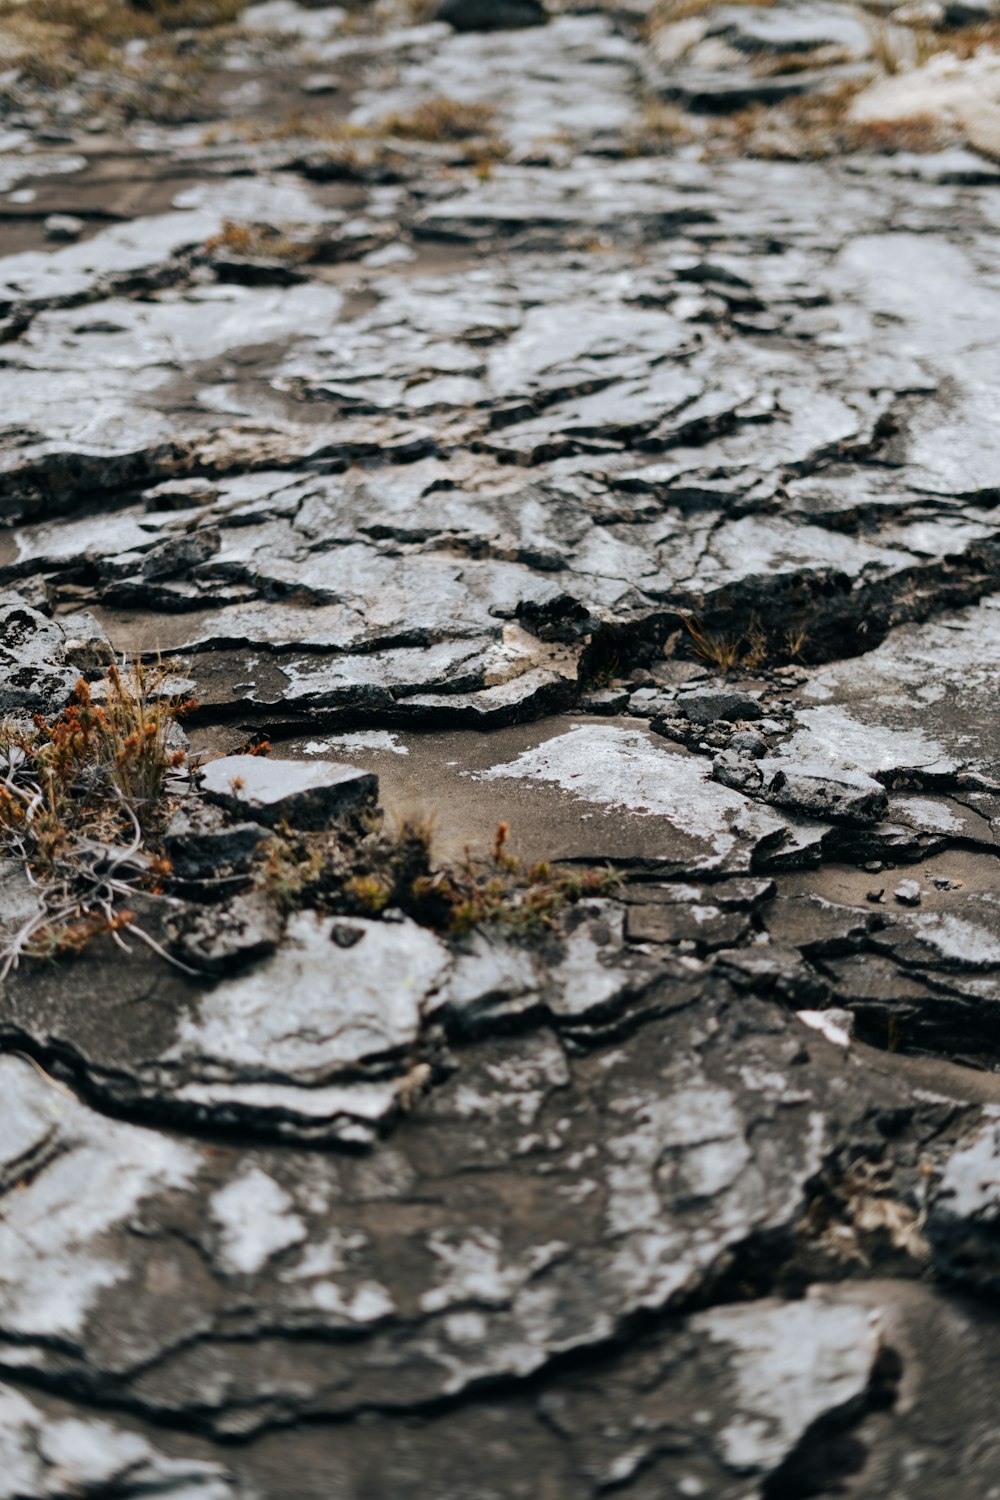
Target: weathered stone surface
[215,939]
[307,794]
[918,705]
[514,376]
[203,844]
[704,705]
[743,1112]
[45,1455]
[35,676]
[694,823]
[964,1217]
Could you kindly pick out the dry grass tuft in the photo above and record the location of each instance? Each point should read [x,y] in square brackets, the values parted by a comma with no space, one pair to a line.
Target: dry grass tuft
[748,649]
[79,798]
[364,871]
[257,242]
[51,41]
[441,120]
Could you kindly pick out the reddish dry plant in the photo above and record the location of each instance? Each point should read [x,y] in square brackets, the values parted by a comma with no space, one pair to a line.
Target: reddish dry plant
[93,755]
[79,795]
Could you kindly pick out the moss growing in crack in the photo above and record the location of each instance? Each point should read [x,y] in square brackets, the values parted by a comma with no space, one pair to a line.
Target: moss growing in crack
[257,241]
[499,891]
[364,869]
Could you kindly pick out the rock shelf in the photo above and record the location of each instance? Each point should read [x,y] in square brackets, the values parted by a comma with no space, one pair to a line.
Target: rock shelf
[569,430]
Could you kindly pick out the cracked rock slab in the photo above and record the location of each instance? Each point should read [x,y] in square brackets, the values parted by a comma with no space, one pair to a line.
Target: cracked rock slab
[534,1203]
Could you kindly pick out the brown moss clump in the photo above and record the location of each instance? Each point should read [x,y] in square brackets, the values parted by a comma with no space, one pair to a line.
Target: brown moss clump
[256,242]
[51,41]
[499,891]
[441,120]
[82,800]
[920,132]
[362,870]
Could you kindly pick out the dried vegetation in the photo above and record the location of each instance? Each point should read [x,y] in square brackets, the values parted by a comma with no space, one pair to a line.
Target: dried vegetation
[750,649]
[53,39]
[82,802]
[367,868]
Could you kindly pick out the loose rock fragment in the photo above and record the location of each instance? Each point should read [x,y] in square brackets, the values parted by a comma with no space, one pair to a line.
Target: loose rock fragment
[307,794]
[491,15]
[907,893]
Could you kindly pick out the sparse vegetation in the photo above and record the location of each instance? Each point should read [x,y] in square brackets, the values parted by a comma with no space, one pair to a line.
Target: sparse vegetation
[747,649]
[442,120]
[666,12]
[81,802]
[365,870]
[501,892]
[258,242]
[53,42]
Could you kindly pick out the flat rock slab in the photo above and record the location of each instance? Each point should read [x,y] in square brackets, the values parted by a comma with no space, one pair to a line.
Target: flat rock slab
[479,416]
[35,674]
[920,703]
[313,1041]
[48,1453]
[434,1264]
[614,1421]
[306,794]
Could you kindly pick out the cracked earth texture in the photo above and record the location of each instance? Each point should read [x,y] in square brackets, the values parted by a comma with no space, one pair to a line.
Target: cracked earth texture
[617,459]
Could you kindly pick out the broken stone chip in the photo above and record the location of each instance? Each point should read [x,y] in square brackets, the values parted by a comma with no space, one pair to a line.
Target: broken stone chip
[306,794]
[203,844]
[87,645]
[705,705]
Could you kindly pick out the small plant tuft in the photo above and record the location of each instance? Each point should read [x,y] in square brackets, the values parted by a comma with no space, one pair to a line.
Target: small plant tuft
[80,798]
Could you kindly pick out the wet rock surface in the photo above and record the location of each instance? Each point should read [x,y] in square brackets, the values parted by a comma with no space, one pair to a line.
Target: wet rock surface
[582,429]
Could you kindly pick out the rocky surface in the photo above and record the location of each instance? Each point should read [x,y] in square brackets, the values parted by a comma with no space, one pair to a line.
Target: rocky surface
[578,418]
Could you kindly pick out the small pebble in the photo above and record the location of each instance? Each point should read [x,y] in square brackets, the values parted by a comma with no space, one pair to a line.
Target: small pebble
[907,893]
[320,83]
[876,895]
[748,742]
[873,866]
[63,227]
[942,883]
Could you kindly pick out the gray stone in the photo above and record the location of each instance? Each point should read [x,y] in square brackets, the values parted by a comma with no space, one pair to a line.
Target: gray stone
[315,1009]
[705,705]
[320,83]
[607,700]
[810,788]
[491,15]
[34,673]
[307,794]
[700,1138]
[87,645]
[203,844]
[217,939]
[963,1222]
[74,1455]
[63,227]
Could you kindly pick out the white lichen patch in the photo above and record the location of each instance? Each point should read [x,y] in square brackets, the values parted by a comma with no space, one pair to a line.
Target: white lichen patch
[53,1264]
[256,1220]
[626,769]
